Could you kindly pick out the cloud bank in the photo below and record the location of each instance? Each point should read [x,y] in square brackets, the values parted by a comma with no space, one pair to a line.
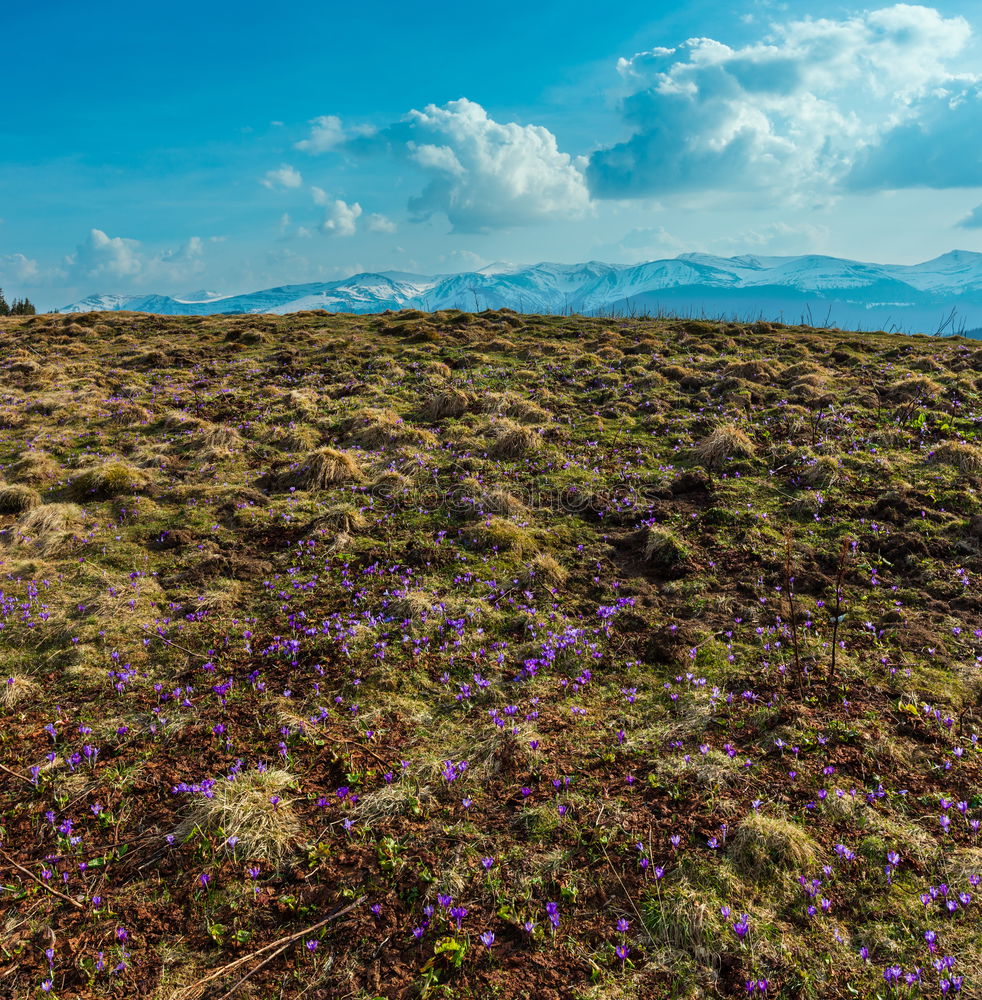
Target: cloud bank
[816,105]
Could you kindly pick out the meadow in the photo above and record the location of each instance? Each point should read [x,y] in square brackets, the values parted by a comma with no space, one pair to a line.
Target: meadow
[479,655]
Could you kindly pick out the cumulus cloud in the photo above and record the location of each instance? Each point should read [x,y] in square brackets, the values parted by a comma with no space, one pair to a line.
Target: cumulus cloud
[464,260]
[284,176]
[376,223]
[640,244]
[16,267]
[797,110]
[483,174]
[189,252]
[341,218]
[326,133]
[776,238]
[937,147]
[103,256]
[973,220]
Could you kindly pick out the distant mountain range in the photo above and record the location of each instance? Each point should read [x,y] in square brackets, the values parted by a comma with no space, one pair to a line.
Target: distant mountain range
[940,295]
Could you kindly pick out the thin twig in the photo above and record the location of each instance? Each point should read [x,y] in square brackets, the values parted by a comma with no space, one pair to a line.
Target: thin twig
[627,895]
[16,774]
[183,649]
[252,972]
[837,610]
[193,989]
[41,882]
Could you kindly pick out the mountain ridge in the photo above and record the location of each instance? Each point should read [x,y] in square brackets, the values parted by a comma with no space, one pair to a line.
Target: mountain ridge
[944,293]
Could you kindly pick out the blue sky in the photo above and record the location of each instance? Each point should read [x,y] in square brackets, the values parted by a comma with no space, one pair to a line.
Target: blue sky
[179,146]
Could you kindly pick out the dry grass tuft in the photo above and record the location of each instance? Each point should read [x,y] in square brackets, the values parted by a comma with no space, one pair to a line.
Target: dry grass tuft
[396,799]
[242,810]
[499,501]
[344,517]
[110,479]
[16,688]
[753,371]
[16,498]
[35,467]
[49,528]
[448,403]
[412,605]
[821,473]
[503,535]
[296,437]
[545,570]
[918,387]
[219,439]
[513,441]
[963,456]
[318,470]
[763,845]
[510,404]
[664,548]
[727,441]
[373,428]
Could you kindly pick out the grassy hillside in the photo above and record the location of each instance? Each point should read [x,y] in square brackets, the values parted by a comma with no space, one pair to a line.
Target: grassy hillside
[476,656]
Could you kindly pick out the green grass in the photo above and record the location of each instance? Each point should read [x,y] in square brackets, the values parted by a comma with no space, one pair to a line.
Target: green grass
[517,610]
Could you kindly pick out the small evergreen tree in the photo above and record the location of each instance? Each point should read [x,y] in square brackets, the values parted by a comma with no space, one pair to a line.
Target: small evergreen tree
[22,307]
[4,308]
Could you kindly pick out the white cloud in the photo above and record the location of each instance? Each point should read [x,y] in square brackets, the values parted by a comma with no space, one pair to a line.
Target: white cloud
[794,111]
[640,244]
[487,175]
[463,260]
[973,220]
[284,176]
[326,133]
[341,219]
[190,251]
[102,256]
[17,267]
[376,223]
[776,238]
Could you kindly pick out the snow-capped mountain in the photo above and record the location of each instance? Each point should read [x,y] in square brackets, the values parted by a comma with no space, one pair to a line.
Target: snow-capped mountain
[811,289]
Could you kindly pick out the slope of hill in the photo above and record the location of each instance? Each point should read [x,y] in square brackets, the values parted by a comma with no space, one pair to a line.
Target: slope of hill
[487,655]
[941,294]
